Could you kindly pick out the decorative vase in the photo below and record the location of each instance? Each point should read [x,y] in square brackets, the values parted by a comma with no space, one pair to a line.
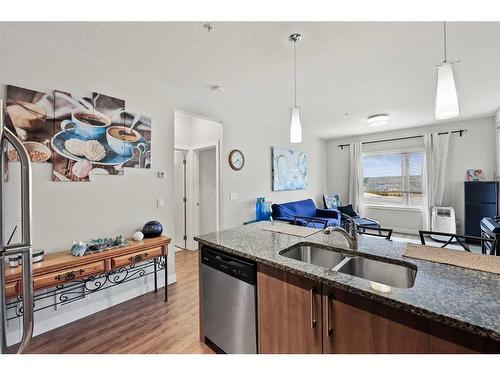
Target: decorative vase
[138,236]
[78,249]
[260,209]
[152,229]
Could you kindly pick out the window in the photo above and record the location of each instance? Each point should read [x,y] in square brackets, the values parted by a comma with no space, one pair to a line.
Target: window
[393,179]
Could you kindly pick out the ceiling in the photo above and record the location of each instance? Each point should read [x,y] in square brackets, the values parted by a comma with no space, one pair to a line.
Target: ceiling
[346,70]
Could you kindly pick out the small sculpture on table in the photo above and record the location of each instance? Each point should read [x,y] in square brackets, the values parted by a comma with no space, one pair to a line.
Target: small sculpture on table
[80,248]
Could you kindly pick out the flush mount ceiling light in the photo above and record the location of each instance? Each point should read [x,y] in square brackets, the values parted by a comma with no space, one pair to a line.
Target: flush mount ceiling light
[446,91]
[295,125]
[378,120]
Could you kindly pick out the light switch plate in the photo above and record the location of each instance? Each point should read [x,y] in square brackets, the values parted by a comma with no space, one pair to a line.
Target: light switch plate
[161,174]
[160,203]
[233,196]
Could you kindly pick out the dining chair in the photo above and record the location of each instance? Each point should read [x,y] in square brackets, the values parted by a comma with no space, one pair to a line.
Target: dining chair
[374,231]
[462,240]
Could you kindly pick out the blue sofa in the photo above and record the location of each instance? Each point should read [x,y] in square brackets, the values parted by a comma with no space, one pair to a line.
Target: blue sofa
[305,213]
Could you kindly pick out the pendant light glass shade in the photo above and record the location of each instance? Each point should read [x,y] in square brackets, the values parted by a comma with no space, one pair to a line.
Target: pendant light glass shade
[446,93]
[295,126]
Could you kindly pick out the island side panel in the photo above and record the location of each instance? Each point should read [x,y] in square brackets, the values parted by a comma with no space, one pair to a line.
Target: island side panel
[200,295]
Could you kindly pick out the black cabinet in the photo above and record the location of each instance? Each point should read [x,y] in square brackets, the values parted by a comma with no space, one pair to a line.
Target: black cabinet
[481,200]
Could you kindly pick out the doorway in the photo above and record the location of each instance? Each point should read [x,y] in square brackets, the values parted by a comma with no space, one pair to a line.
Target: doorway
[207,199]
[180,198]
[197,156]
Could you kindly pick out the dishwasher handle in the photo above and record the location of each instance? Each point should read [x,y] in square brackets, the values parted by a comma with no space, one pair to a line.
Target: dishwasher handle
[229,264]
[209,253]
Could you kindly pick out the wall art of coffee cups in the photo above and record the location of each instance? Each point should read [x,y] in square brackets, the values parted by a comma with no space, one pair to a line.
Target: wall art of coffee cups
[81,136]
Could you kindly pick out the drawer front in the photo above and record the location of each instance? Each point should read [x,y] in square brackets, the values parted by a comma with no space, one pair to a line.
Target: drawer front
[137,257]
[68,274]
[11,289]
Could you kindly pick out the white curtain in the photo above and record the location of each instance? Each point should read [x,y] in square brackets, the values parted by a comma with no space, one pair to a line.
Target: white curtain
[356,176]
[436,157]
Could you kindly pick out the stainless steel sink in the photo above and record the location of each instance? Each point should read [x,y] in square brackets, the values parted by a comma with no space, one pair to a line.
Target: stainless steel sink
[395,275]
[314,255]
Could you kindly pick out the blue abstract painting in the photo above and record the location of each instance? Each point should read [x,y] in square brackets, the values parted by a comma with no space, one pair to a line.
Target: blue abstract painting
[289,169]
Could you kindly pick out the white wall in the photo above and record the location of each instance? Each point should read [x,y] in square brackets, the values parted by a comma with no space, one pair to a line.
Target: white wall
[193,131]
[207,168]
[64,212]
[476,149]
[497,125]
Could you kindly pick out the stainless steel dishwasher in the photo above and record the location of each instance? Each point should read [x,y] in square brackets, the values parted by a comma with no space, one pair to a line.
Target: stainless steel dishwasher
[229,301]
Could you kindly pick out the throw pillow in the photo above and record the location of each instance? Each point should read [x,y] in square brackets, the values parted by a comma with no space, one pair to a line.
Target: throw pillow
[347,210]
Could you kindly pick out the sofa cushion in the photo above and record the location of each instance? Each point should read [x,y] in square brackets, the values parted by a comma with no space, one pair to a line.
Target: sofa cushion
[291,209]
[333,214]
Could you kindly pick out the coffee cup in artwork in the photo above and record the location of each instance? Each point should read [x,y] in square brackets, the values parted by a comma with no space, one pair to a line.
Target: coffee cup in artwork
[88,124]
[122,139]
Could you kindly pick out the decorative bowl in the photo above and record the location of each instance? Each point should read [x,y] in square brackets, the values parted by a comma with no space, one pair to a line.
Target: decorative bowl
[152,229]
[99,244]
[38,152]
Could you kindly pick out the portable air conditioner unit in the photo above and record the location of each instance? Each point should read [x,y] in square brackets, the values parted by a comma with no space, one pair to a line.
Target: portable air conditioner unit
[443,220]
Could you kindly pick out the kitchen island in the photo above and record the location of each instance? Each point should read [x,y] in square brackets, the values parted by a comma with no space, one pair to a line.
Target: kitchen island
[304,308]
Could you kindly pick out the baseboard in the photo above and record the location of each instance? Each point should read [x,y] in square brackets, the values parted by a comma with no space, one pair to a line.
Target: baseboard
[52,318]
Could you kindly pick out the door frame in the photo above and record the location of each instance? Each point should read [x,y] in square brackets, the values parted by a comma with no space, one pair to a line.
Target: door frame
[185,151]
[196,183]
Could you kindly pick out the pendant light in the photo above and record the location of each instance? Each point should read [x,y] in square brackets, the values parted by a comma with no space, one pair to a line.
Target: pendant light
[295,125]
[446,92]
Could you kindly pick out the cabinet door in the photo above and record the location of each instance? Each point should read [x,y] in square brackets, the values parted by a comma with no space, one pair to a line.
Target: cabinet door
[353,324]
[289,309]
[474,213]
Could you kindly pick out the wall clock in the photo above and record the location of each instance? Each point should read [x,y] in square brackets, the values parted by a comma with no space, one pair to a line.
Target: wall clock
[236,160]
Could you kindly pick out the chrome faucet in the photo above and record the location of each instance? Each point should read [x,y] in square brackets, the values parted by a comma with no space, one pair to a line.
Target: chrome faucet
[351,236]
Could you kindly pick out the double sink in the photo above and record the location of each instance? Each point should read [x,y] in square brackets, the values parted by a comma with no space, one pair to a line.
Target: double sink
[385,273]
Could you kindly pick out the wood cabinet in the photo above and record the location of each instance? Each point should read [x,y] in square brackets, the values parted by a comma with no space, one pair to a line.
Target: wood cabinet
[298,315]
[289,312]
[361,326]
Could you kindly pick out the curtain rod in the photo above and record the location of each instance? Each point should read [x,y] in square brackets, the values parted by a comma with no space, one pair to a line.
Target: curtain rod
[460,132]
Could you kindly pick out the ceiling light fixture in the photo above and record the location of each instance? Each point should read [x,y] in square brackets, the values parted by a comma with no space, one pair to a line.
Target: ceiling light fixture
[378,120]
[446,91]
[295,125]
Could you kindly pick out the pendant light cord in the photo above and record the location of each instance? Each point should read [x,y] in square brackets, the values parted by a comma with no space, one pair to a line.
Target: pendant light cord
[295,72]
[444,41]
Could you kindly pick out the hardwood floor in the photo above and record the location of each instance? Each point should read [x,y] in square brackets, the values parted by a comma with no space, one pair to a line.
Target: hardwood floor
[144,324]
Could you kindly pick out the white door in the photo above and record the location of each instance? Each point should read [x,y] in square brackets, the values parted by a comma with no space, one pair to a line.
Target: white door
[207,190]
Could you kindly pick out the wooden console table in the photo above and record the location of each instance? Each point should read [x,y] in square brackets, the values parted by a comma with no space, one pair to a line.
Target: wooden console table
[69,278]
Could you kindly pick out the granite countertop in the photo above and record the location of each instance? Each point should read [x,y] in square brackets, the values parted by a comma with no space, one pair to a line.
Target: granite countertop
[459,297]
